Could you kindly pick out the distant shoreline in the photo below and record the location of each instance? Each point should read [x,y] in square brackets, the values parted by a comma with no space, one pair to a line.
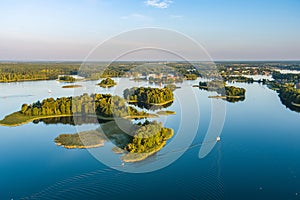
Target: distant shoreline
[225,97]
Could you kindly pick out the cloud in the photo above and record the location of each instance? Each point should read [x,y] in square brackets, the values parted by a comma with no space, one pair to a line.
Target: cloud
[136,16]
[158,3]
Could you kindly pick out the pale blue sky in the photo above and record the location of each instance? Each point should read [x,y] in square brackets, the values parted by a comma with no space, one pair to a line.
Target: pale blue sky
[69,29]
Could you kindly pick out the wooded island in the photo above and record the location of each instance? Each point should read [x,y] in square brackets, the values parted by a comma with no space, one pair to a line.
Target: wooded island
[153,96]
[107,83]
[104,106]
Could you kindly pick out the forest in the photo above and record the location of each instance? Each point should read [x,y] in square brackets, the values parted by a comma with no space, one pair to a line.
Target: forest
[30,71]
[290,96]
[25,71]
[231,91]
[149,95]
[67,79]
[149,136]
[287,78]
[104,105]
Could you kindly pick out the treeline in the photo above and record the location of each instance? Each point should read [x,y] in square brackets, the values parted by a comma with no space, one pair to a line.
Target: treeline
[149,95]
[104,105]
[96,71]
[148,137]
[26,71]
[188,70]
[11,72]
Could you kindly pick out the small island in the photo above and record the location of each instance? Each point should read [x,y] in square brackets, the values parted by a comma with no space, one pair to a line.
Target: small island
[68,79]
[107,83]
[149,96]
[150,138]
[228,93]
[138,143]
[71,86]
[166,112]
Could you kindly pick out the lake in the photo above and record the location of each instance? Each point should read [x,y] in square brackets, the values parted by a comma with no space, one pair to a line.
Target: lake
[257,157]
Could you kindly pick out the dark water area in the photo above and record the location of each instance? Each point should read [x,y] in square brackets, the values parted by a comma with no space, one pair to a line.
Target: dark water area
[257,157]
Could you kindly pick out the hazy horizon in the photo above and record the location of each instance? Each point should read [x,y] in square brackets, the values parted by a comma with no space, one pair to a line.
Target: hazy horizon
[69,30]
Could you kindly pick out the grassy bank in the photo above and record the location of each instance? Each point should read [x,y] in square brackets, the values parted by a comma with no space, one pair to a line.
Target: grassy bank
[82,140]
[166,112]
[71,86]
[17,118]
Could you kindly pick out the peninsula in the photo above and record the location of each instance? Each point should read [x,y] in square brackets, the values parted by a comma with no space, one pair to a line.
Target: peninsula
[229,93]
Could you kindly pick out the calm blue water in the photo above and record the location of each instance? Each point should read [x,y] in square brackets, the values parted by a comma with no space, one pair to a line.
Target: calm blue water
[257,158]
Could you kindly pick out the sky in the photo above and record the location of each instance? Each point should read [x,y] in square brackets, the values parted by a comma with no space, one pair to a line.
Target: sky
[227,30]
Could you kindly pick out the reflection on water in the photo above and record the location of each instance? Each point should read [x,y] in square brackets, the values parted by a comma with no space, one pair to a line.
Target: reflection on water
[151,107]
[290,105]
[234,100]
[71,120]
